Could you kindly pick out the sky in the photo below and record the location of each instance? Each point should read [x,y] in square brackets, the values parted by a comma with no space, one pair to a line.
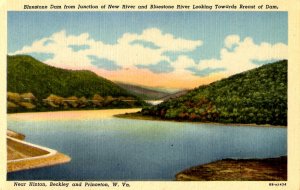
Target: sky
[172,50]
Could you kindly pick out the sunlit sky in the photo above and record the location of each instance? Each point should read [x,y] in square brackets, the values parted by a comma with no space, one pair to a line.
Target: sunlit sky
[156,49]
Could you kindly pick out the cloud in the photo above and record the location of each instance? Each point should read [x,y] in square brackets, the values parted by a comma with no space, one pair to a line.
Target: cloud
[231,41]
[59,44]
[145,44]
[79,47]
[153,55]
[47,42]
[182,63]
[42,56]
[241,55]
[173,56]
[166,42]
[205,72]
[104,63]
[131,50]
[160,67]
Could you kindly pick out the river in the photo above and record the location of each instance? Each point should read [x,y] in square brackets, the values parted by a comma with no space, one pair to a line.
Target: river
[103,147]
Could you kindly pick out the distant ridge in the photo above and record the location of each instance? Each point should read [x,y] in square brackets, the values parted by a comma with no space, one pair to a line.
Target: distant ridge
[143,92]
[175,95]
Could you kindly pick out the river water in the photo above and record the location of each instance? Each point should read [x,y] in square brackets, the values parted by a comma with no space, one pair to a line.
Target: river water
[103,147]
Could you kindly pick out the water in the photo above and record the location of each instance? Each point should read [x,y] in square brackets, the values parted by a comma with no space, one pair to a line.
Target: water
[108,148]
[154,102]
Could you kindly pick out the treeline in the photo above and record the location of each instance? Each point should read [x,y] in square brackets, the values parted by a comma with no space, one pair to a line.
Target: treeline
[27,102]
[256,96]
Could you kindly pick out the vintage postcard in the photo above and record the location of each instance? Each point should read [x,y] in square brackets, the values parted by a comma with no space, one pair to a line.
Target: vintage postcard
[150,94]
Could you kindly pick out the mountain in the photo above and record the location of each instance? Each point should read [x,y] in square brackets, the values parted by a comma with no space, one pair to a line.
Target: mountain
[143,92]
[26,74]
[256,96]
[175,95]
[37,81]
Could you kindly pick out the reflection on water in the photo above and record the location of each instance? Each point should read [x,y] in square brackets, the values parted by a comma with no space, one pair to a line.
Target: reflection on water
[106,148]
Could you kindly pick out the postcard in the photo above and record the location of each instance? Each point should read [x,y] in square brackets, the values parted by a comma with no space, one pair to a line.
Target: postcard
[150,94]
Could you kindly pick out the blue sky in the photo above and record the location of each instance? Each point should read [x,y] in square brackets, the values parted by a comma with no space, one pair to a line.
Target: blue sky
[207,31]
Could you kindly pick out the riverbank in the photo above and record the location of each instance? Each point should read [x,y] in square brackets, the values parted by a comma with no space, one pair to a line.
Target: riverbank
[269,169]
[140,116]
[22,155]
[69,115]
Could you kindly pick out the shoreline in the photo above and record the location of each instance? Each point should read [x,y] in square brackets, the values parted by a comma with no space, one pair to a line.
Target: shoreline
[65,115]
[71,110]
[22,155]
[132,114]
[267,169]
[153,118]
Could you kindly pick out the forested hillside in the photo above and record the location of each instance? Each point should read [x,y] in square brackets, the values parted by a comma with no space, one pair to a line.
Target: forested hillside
[256,96]
[26,74]
[33,85]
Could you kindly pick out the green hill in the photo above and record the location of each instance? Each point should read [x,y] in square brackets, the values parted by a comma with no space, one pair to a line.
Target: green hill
[28,75]
[256,96]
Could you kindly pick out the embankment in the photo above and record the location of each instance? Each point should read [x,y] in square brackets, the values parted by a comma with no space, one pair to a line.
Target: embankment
[22,155]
